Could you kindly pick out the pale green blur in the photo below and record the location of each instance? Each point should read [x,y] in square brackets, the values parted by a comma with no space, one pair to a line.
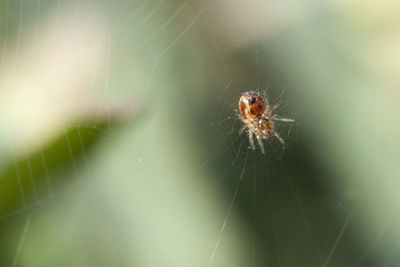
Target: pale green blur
[119,143]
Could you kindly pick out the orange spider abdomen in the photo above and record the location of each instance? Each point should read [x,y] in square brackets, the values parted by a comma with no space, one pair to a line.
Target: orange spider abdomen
[251,105]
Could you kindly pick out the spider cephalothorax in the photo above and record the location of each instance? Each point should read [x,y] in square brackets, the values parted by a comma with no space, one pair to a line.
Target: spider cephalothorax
[257,117]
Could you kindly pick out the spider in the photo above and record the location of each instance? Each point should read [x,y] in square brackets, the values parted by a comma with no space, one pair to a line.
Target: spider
[257,116]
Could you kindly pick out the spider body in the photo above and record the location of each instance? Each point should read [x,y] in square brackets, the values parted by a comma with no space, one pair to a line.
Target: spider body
[251,105]
[256,114]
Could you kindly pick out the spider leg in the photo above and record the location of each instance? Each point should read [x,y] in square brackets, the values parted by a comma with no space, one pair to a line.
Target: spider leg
[267,107]
[260,143]
[237,112]
[283,119]
[279,138]
[276,106]
[264,94]
[251,139]
[242,129]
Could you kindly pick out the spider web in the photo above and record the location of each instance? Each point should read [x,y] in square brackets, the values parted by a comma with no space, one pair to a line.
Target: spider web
[287,207]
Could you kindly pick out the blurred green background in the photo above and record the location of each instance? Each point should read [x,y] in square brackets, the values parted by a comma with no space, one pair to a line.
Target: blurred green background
[119,144]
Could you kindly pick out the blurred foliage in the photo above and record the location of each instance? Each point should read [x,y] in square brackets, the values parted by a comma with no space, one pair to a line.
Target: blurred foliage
[125,151]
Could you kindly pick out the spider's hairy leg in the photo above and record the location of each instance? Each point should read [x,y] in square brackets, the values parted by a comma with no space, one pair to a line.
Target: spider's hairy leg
[242,129]
[276,106]
[283,119]
[237,112]
[260,143]
[279,138]
[266,102]
[251,139]
[264,94]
